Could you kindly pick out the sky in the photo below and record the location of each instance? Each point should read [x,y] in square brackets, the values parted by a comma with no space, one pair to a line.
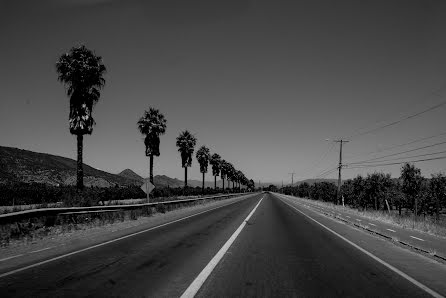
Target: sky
[262,83]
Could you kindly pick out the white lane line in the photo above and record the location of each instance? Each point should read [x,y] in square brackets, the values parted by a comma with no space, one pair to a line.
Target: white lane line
[416,238]
[397,271]
[347,216]
[12,257]
[192,290]
[358,219]
[391,230]
[39,250]
[372,224]
[113,240]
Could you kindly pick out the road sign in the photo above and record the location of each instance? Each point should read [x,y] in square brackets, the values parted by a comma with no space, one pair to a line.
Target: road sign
[147,187]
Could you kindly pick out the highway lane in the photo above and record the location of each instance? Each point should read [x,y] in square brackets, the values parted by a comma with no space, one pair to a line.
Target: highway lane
[158,263]
[281,253]
[412,237]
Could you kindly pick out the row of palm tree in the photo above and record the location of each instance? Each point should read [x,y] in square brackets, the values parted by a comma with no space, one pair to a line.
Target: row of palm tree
[82,72]
[153,124]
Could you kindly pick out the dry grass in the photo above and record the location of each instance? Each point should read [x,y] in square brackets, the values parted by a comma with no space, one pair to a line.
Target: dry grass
[422,224]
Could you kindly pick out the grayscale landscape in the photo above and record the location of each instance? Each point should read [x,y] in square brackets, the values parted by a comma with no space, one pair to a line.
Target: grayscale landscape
[197,148]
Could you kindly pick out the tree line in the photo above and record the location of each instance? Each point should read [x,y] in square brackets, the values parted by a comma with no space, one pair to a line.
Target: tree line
[21,193]
[410,192]
[82,72]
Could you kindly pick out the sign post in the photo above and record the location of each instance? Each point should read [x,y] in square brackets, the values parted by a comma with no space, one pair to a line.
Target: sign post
[147,187]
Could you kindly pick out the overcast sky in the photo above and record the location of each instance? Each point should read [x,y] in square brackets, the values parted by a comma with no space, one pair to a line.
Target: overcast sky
[262,83]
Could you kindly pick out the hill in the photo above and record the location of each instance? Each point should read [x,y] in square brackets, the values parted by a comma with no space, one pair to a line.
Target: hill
[18,165]
[129,174]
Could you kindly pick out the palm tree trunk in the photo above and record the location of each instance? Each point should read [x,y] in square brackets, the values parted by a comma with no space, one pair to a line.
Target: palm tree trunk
[80,170]
[185,177]
[151,168]
[223,180]
[202,186]
[215,182]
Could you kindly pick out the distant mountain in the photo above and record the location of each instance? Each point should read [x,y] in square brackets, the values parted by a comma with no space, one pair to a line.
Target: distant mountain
[164,181]
[129,174]
[18,165]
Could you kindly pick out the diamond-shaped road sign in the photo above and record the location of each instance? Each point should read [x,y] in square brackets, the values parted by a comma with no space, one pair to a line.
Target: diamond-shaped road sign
[147,187]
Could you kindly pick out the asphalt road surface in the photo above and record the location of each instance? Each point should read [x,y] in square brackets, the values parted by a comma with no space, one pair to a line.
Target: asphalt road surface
[279,252]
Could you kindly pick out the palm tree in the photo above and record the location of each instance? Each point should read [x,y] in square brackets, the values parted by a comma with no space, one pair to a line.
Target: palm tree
[203,157]
[239,179]
[81,71]
[186,143]
[230,173]
[216,164]
[223,171]
[152,124]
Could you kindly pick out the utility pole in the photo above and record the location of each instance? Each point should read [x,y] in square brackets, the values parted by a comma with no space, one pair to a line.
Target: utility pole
[338,193]
[292,178]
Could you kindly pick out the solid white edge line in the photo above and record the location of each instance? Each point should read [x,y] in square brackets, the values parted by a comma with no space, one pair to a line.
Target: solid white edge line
[399,272]
[111,241]
[195,286]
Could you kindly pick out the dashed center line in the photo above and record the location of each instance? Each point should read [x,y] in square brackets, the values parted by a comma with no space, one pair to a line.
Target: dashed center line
[34,251]
[391,230]
[12,257]
[193,288]
[416,238]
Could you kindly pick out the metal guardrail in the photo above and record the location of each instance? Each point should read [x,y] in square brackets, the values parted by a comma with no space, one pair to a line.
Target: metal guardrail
[33,213]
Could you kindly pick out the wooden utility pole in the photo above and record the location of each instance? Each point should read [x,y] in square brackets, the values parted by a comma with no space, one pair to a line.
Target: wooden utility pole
[292,178]
[338,193]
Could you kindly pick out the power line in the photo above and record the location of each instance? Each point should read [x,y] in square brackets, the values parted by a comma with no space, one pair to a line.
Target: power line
[328,173]
[400,120]
[401,145]
[413,156]
[319,161]
[395,163]
[416,149]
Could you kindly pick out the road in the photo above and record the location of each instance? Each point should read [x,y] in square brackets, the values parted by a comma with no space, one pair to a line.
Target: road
[278,252]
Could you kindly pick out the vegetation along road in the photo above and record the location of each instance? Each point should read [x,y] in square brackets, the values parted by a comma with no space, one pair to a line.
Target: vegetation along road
[261,245]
